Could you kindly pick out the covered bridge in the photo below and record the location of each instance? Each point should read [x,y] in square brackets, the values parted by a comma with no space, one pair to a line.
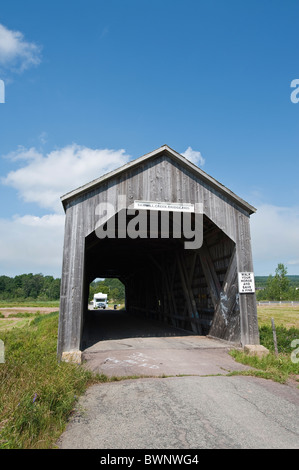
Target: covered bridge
[135,223]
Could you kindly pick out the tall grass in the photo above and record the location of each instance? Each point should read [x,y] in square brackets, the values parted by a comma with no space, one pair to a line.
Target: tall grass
[37,393]
[276,367]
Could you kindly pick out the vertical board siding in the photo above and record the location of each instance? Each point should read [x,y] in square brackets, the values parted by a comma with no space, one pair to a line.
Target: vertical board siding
[183,301]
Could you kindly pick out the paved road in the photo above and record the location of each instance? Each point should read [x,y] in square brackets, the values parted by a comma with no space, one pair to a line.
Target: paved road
[186,413]
[201,411]
[118,344]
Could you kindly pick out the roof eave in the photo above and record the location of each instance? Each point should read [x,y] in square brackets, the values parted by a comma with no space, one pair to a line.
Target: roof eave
[164,149]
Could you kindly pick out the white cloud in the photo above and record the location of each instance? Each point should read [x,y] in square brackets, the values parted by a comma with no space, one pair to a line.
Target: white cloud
[275,238]
[32,244]
[16,54]
[44,178]
[294,262]
[194,156]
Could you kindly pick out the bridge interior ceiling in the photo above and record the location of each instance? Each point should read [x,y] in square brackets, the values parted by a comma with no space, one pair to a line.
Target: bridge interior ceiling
[163,280]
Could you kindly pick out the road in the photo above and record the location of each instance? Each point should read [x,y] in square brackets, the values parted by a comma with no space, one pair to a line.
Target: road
[186,413]
[204,410]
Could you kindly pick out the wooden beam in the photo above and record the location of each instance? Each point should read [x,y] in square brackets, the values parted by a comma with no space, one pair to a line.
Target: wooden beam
[170,274]
[189,274]
[226,321]
[188,294]
[210,274]
[199,321]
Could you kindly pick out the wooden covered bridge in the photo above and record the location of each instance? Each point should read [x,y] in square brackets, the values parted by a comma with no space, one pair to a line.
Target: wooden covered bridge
[204,287]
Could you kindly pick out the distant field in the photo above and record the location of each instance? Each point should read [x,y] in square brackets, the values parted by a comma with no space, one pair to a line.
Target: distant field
[34,303]
[18,314]
[284,315]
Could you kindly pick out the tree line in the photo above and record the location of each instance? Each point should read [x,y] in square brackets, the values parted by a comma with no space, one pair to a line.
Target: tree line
[29,286]
[279,287]
[39,287]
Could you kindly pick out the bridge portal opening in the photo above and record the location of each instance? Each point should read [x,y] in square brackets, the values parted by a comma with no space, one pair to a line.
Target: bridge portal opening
[164,282]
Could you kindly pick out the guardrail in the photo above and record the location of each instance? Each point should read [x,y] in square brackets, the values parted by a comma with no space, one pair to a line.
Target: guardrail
[278,302]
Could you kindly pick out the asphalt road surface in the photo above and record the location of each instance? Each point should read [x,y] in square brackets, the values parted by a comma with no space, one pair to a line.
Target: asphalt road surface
[204,410]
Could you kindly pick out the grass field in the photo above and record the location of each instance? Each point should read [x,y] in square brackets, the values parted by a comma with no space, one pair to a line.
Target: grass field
[33,303]
[284,315]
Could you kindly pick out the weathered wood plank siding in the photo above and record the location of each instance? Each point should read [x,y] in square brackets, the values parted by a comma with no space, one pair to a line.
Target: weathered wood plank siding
[189,301]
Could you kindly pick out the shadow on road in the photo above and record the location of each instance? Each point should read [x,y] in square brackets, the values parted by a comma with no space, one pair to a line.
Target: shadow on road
[101,325]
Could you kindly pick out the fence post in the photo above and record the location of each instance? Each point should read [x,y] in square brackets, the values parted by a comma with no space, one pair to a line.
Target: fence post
[274,336]
[2,360]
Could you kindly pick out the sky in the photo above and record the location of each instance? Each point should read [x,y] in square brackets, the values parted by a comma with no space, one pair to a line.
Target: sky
[90,85]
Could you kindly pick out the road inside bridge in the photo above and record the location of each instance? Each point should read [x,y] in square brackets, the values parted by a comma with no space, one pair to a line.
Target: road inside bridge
[118,344]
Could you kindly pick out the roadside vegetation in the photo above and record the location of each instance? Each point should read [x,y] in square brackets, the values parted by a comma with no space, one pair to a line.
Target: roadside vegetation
[285,365]
[37,394]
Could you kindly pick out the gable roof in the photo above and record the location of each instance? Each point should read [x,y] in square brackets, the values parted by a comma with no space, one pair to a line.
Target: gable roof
[163,150]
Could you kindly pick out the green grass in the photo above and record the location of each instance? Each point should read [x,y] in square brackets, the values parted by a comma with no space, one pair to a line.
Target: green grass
[279,368]
[283,315]
[9,323]
[32,303]
[24,314]
[37,394]
[17,320]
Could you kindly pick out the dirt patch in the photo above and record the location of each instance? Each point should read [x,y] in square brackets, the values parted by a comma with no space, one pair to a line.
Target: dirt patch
[14,310]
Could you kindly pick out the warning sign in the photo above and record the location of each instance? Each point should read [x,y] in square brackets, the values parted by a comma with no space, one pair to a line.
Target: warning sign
[246,283]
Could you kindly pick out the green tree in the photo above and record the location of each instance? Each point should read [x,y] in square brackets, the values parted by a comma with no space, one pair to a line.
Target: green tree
[29,286]
[278,286]
[111,286]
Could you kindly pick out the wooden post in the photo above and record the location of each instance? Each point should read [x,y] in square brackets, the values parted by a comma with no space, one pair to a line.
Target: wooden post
[248,311]
[225,322]
[274,337]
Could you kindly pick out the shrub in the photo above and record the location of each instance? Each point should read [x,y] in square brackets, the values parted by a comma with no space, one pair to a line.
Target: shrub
[284,338]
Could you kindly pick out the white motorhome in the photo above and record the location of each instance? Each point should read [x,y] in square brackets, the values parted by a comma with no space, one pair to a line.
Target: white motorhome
[100,300]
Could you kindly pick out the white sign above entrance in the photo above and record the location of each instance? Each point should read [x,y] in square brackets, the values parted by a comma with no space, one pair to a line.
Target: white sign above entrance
[246,283]
[164,206]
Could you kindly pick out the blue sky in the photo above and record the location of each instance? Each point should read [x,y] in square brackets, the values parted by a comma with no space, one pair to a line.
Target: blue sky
[90,85]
